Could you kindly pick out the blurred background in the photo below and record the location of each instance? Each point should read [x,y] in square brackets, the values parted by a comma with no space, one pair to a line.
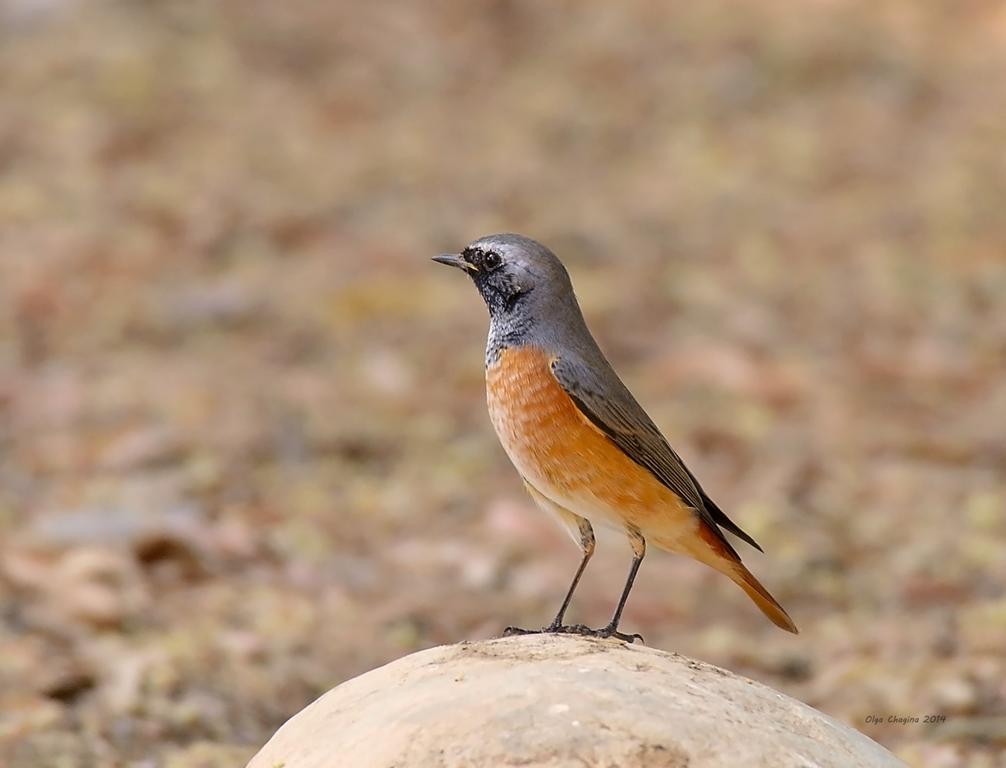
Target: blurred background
[245,453]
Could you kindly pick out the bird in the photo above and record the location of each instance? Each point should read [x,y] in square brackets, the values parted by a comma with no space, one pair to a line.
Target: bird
[586,450]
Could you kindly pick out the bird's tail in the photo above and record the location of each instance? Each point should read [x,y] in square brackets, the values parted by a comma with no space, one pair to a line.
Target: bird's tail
[721,556]
[744,579]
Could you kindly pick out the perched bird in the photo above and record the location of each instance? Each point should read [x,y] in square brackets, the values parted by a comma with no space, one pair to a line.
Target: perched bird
[586,450]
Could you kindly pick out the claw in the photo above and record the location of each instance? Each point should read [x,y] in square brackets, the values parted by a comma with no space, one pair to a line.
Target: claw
[551,629]
[513,631]
[626,638]
[608,631]
[575,629]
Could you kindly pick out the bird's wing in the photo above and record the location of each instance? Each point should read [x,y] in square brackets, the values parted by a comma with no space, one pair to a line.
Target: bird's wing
[610,407]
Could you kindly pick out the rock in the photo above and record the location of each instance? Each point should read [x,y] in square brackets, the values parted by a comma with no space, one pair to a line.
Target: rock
[548,700]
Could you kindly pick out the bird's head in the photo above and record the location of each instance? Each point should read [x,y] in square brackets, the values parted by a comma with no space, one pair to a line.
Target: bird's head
[514,274]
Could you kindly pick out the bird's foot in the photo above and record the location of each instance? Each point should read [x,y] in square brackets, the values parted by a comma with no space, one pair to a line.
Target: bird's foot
[551,629]
[575,629]
[513,631]
[625,638]
[608,631]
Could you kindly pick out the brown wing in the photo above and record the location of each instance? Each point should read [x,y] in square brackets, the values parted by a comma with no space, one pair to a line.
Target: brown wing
[626,424]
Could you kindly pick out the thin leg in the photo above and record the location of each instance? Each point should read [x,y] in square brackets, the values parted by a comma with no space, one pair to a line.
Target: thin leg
[586,541]
[587,545]
[638,551]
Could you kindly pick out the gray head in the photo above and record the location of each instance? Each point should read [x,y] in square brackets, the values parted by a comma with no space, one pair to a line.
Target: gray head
[514,274]
[526,288]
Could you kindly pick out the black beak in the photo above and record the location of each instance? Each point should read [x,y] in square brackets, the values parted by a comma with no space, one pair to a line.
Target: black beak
[453,260]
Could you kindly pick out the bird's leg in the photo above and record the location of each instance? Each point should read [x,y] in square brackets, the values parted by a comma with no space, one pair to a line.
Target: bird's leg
[556,627]
[638,551]
[587,545]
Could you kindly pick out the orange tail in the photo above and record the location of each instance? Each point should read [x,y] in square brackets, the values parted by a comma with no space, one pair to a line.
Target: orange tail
[724,559]
[744,579]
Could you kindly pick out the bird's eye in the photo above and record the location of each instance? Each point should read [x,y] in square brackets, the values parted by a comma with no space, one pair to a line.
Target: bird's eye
[491,261]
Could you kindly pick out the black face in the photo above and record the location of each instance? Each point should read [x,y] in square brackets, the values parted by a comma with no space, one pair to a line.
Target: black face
[482,260]
[498,281]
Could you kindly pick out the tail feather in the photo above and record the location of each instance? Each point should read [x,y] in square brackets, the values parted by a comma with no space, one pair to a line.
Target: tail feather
[743,578]
[725,560]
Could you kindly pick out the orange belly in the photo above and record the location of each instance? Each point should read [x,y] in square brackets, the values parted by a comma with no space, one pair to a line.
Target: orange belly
[567,459]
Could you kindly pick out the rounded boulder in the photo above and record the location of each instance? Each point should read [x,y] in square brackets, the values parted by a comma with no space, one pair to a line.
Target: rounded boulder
[557,701]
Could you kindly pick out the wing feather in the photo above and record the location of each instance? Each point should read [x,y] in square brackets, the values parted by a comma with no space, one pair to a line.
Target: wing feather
[626,424]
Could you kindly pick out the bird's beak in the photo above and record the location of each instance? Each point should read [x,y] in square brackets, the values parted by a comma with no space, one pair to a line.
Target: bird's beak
[453,260]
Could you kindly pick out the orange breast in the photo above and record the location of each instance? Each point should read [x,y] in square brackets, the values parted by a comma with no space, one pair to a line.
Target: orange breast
[564,456]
